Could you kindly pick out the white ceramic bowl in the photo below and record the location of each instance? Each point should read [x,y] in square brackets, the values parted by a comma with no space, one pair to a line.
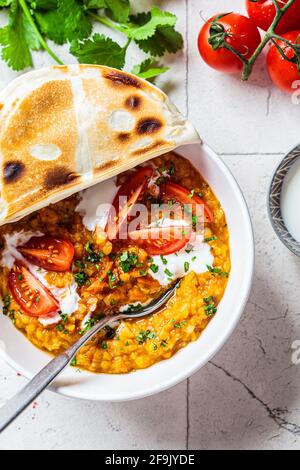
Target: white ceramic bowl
[28,360]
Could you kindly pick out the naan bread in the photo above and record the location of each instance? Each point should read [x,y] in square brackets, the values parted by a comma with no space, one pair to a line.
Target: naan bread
[63,129]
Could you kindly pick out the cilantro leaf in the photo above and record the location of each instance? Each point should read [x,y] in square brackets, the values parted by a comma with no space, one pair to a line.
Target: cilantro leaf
[99,50]
[148,69]
[165,38]
[156,19]
[119,10]
[66,23]
[30,35]
[94,4]
[76,24]
[14,37]
[51,25]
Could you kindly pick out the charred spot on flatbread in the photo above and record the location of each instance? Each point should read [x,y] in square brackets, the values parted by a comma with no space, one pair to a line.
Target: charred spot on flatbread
[149,126]
[13,171]
[124,136]
[119,78]
[59,177]
[133,102]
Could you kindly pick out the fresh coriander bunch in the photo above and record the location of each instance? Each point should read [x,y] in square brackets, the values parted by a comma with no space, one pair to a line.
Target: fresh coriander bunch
[32,22]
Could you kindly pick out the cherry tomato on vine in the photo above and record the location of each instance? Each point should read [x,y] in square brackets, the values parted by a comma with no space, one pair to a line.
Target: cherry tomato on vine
[228,31]
[263,13]
[285,73]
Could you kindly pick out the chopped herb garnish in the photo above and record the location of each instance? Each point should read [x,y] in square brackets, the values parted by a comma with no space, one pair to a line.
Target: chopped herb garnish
[143,336]
[154,268]
[111,280]
[88,324]
[177,325]
[113,302]
[74,361]
[81,278]
[127,343]
[164,260]
[128,260]
[189,248]
[172,202]
[6,304]
[186,266]
[164,343]
[194,220]
[168,273]
[210,308]
[210,239]
[218,271]
[172,168]
[93,256]
[80,264]
[60,327]
[154,347]
[192,194]
[104,345]
[110,332]
[64,317]
[134,308]
[20,277]
[143,273]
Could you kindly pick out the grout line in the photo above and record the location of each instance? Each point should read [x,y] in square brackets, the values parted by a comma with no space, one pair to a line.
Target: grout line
[187,115]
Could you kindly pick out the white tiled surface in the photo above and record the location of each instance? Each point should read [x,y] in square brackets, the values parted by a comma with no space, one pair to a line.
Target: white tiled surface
[249,395]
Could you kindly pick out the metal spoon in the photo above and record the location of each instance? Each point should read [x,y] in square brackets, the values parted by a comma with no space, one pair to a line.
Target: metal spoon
[17,404]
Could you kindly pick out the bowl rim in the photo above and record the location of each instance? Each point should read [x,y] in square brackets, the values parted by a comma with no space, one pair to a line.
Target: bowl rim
[190,369]
[279,227]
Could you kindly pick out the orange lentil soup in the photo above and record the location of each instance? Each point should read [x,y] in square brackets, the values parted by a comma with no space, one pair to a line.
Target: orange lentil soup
[133,344]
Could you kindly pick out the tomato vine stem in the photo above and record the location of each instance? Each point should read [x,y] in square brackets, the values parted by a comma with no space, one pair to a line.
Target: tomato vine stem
[270,34]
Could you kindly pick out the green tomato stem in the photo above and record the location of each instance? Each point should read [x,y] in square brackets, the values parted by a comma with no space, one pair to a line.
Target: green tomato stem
[42,41]
[248,65]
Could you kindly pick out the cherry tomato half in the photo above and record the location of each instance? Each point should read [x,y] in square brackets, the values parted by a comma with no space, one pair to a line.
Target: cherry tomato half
[52,254]
[132,189]
[184,196]
[30,294]
[232,30]
[263,13]
[162,240]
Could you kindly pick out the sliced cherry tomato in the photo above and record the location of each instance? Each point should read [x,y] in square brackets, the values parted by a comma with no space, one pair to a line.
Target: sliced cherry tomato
[52,254]
[30,294]
[263,13]
[132,189]
[284,74]
[162,240]
[184,196]
[229,29]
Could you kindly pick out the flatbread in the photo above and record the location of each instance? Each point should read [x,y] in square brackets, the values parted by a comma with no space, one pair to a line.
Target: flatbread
[63,129]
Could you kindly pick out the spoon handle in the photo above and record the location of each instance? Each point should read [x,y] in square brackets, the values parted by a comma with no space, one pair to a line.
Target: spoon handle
[17,404]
